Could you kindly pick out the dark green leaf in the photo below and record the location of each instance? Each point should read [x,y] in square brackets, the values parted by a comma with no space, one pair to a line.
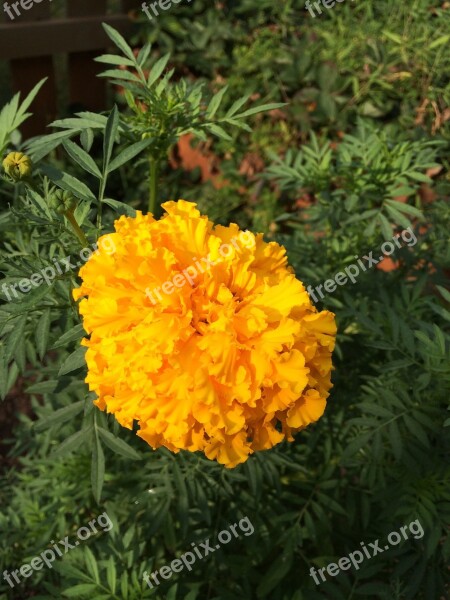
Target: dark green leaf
[157,69]
[117,445]
[60,416]
[110,136]
[74,334]
[129,153]
[120,42]
[82,158]
[42,333]
[120,207]
[68,182]
[74,361]
[97,469]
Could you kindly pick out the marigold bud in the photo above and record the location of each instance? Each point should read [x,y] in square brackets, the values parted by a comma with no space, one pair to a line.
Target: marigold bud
[17,165]
[62,201]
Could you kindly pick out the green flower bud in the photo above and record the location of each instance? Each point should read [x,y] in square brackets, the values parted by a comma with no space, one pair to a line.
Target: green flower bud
[18,166]
[62,202]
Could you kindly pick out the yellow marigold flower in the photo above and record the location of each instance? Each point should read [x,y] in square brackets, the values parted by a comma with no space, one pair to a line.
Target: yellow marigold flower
[17,165]
[203,335]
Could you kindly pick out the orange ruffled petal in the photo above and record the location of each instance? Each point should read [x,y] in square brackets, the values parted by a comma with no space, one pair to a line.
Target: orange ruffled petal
[233,361]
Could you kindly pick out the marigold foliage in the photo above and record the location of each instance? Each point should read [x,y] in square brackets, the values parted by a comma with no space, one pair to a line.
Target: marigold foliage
[233,363]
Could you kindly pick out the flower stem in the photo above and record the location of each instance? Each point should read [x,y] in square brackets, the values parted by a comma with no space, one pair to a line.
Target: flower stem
[100,203]
[154,168]
[77,229]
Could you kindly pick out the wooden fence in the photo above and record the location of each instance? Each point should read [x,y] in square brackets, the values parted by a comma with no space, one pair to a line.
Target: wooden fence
[59,39]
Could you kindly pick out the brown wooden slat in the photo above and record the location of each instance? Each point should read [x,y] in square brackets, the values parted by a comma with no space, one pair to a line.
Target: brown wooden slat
[86,90]
[128,5]
[26,72]
[42,38]
[80,8]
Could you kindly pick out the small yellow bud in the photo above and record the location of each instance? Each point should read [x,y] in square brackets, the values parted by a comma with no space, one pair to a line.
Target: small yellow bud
[17,165]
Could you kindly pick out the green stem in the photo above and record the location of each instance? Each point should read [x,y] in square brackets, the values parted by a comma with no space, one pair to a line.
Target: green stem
[154,168]
[100,203]
[78,232]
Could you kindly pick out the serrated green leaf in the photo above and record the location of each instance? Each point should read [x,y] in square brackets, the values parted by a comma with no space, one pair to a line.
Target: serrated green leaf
[42,333]
[91,564]
[124,586]
[68,183]
[419,177]
[216,102]
[397,216]
[119,41]
[258,109]
[114,59]
[72,335]
[386,227]
[111,128]
[82,589]
[74,442]
[60,416]
[87,139]
[74,361]
[117,445]
[218,131]
[15,337]
[356,445]
[33,298]
[237,105]
[82,158]
[393,36]
[444,293]
[118,74]
[120,207]
[54,386]
[157,69]
[111,575]
[40,147]
[30,97]
[376,409]
[144,53]
[13,373]
[128,154]
[3,373]
[405,208]
[97,469]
